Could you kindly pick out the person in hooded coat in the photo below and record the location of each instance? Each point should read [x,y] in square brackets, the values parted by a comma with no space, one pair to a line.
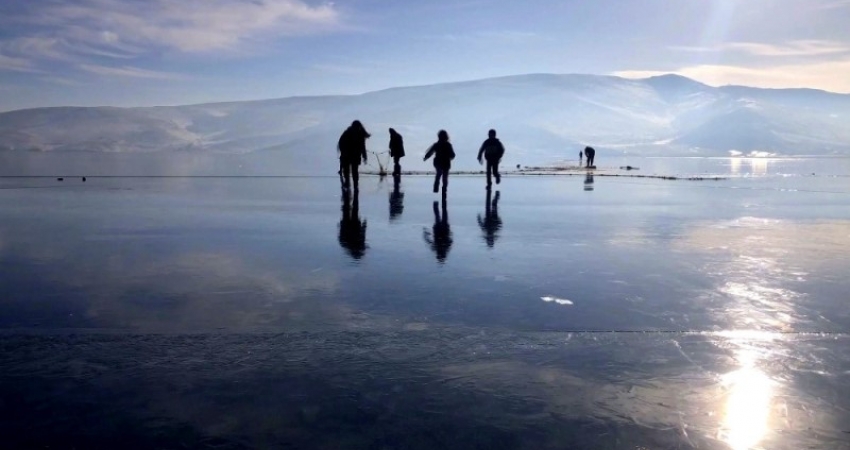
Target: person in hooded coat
[492,150]
[590,155]
[396,151]
[352,149]
[443,153]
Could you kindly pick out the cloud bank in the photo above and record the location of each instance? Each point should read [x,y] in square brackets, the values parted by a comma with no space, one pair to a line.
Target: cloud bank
[99,36]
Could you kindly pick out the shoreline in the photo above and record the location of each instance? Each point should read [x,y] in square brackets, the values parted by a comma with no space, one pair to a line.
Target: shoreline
[559,171]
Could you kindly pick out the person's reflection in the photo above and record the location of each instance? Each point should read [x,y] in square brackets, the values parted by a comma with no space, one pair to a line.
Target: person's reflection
[440,238]
[352,230]
[396,199]
[588,182]
[491,223]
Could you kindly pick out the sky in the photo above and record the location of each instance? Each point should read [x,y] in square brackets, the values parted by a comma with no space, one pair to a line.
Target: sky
[172,52]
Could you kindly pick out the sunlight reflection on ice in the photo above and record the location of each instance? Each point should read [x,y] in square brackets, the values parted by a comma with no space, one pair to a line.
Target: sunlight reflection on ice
[758,165]
[748,404]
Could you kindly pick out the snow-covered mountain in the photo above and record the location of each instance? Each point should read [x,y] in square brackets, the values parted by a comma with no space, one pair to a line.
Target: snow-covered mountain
[541,119]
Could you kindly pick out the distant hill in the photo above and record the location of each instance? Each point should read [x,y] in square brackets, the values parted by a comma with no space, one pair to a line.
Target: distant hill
[541,118]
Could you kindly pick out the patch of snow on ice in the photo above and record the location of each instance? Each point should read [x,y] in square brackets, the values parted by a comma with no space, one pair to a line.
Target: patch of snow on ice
[560,301]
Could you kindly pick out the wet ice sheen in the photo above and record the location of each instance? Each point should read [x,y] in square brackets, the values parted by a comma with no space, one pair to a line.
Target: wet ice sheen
[237,313]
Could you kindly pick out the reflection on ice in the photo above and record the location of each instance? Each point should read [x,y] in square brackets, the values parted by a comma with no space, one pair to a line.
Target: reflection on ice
[747,408]
[352,229]
[757,165]
[748,404]
[440,236]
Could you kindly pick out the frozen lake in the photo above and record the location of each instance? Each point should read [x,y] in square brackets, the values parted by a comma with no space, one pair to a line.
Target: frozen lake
[557,312]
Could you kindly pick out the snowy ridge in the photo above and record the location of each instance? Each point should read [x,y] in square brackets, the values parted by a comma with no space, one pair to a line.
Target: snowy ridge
[541,117]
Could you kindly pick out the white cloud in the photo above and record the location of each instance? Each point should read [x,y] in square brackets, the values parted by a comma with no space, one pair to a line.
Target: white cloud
[189,25]
[810,47]
[16,64]
[127,71]
[499,37]
[794,48]
[837,4]
[60,80]
[819,64]
[84,32]
[340,69]
[829,75]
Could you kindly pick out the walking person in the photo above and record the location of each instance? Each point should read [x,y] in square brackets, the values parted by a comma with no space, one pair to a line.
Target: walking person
[443,153]
[396,151]
[492,150]
[352,148]
[580,154]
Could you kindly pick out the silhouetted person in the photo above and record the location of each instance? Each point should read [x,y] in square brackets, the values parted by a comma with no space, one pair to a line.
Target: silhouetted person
[443,153]
[492,150]
[588,182]
[580,155]
[352,148]
[440,237]
[396,199]
[352,230]
[491,223]
[591,154]
[396,151]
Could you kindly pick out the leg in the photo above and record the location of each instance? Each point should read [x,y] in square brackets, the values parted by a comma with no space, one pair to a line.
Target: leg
[397,166]
[346,173]
[445,180]
[437,181]
[496,172]
[489,174]
[339,172]
[355,175]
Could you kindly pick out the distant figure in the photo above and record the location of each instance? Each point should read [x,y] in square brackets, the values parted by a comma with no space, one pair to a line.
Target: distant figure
[352,230]
[352,148]
[396,199]
[493,150]
[396,151]
[588,181]
[440,237]
[580,155]
[591,154]
[491,223]
[84,179]
[443,153]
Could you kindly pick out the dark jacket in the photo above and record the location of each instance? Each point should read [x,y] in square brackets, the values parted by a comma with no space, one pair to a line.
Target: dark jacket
[492,149]
[396,146]
[352,146]
[443,153]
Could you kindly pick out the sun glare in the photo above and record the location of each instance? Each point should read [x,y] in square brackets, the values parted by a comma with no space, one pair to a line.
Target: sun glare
[748,405]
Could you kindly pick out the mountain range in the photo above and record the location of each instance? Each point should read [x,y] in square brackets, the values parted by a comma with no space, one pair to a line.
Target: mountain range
[541,118]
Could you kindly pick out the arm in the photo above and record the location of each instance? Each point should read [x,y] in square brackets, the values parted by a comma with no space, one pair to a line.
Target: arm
[481,152]
[429,153]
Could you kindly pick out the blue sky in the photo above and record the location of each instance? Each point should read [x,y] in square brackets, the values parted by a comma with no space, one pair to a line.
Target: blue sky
[168,52]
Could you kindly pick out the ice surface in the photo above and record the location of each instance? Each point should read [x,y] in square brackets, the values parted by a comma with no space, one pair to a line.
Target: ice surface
[229,312]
